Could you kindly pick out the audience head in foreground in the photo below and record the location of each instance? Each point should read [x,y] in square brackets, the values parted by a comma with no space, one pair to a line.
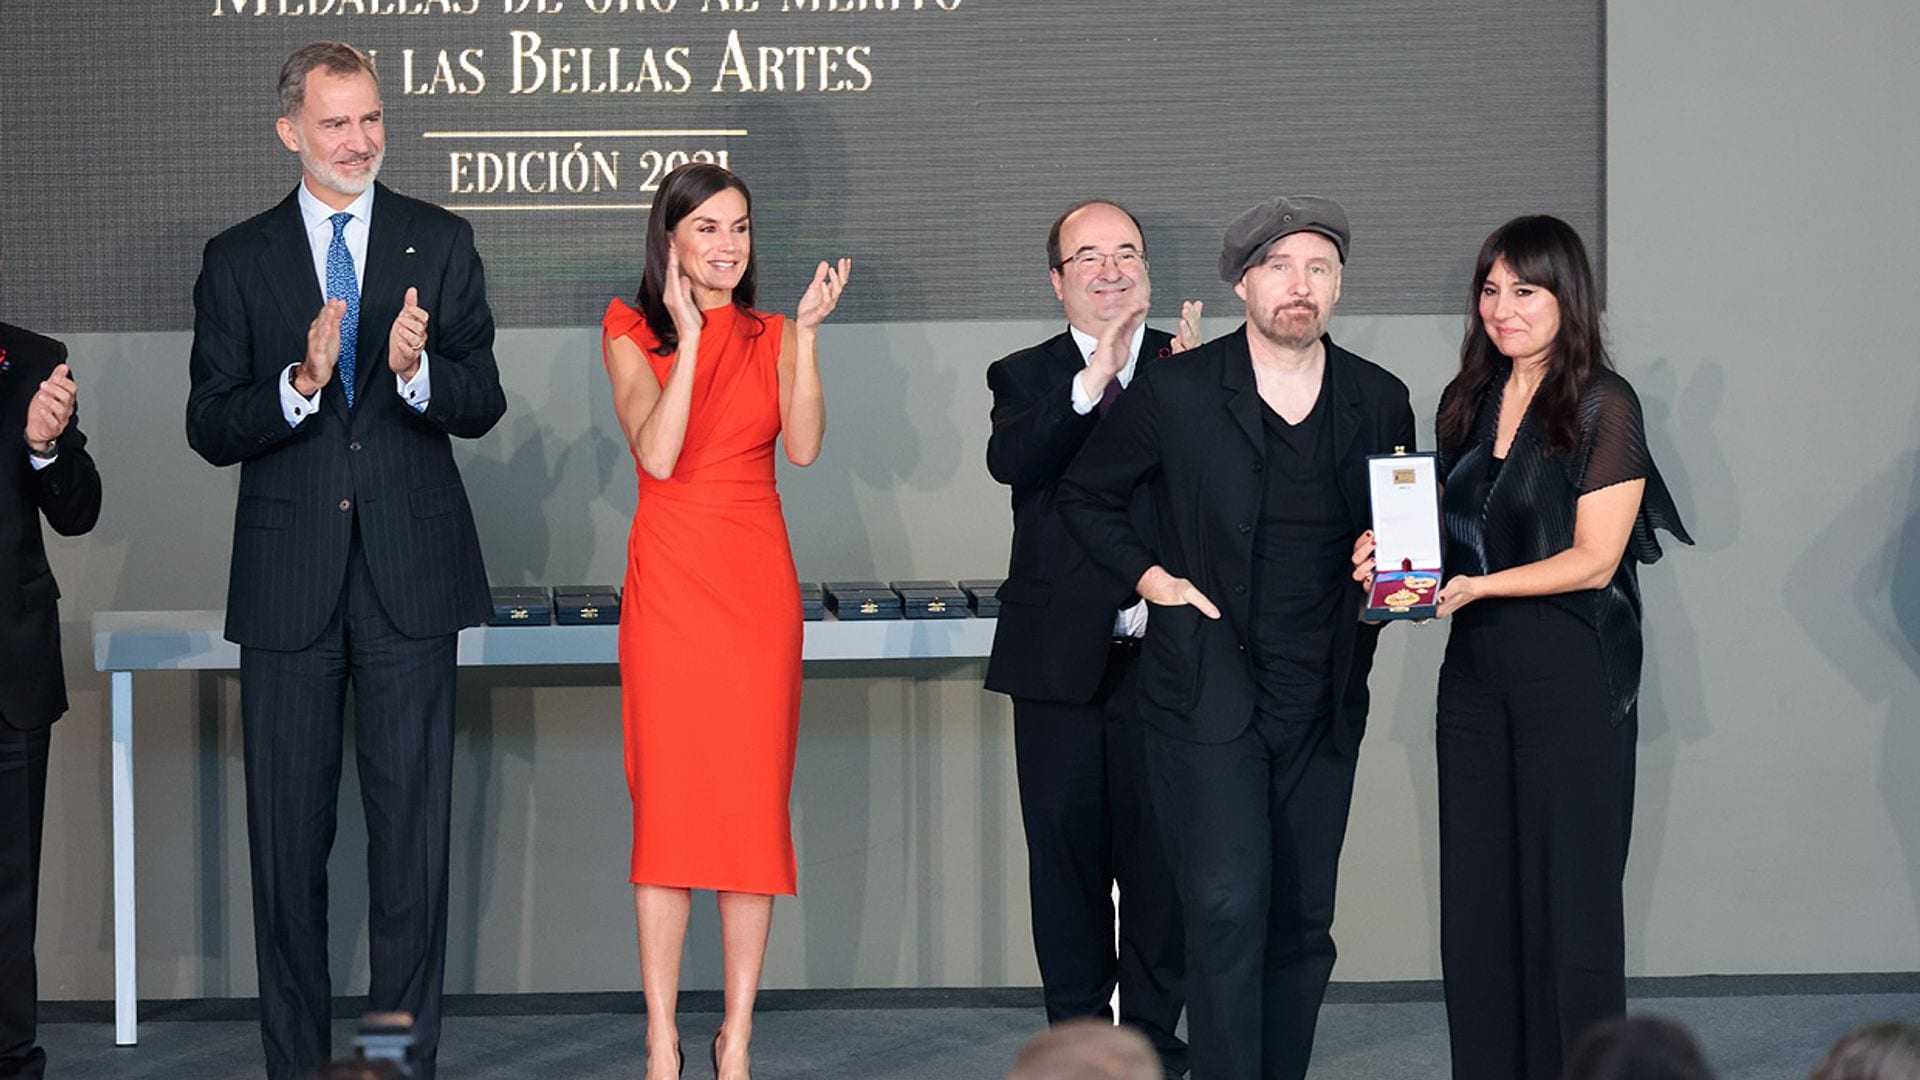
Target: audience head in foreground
[1636,1048]
[1087,1050]
[1888,1050]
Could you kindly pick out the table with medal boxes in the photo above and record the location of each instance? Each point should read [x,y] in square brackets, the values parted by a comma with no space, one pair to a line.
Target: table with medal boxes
[848,601]
[933,622]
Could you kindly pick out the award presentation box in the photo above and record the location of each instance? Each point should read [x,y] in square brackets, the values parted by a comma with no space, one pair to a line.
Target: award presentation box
[584,605]
[1405,492]
[984,596]
[813,601]
[521,605]
[932,600]
[854,600]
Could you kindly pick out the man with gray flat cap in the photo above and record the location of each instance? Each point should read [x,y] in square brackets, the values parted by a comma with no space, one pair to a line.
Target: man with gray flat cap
[1253,676]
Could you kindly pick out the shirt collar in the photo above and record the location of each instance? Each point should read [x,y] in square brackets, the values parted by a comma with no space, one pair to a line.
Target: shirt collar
[1087,343]
[314,213]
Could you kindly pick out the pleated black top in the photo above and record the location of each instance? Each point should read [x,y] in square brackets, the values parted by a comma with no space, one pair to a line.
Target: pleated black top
[1502,514]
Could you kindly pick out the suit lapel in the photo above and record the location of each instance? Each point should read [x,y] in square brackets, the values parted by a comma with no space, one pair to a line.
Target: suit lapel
[1063,357]
[286,264]
[382,287]
[1243,395]
[1154,347]
[1346,417]
[1343,391]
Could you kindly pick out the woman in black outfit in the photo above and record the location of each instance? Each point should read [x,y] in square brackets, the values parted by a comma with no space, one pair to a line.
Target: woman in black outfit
[1550,500]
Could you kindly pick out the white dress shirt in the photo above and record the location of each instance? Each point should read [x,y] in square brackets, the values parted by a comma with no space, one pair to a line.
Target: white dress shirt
[317,217]
[1130,622]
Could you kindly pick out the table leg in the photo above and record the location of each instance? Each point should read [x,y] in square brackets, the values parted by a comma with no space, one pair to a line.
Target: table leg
[124,1001]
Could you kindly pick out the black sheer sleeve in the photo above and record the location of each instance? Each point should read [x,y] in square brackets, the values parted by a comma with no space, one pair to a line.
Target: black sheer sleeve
[1613,437]
[1613,450]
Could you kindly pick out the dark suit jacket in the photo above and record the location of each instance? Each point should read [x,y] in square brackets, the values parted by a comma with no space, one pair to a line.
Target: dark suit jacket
[391,467]
[1056,607]
[33,690]
[1191,427]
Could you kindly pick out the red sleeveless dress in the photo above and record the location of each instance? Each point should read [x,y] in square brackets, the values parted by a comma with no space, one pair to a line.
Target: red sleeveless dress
[710,628]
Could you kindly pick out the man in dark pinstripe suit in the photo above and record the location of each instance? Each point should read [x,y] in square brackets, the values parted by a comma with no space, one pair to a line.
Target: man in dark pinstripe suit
[340,339]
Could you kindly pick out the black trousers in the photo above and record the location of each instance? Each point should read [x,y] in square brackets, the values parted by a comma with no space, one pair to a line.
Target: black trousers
[1254,827]
[1084,804]
[1536,806]
[292,706]
[23,811]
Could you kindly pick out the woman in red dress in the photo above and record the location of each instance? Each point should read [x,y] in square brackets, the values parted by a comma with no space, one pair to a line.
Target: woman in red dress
[710,629]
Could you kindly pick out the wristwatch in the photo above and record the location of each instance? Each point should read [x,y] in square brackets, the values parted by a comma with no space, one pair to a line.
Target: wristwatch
[48,454]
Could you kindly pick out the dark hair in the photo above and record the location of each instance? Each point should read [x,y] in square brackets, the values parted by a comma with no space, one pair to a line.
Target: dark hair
[1888,1050]
[1053,234]
[337,57]
[680,194]
[1544,251]
[1636,1048]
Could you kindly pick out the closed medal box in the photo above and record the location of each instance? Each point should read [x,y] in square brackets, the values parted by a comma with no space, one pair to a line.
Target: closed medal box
[521,605]
[581,605]
[813,601]
[932,600]
[855,600]
[984,596]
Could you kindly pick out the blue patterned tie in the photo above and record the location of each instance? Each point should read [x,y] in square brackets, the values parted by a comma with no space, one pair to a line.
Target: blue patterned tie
[342,286]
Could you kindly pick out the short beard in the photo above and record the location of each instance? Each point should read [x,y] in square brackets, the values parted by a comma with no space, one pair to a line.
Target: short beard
[1281,332]
[324,172]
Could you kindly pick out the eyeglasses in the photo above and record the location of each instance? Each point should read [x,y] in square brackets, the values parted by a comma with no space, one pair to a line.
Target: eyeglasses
[1091,261]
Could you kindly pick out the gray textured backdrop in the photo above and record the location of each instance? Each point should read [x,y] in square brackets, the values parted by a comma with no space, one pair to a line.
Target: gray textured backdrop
[135,131]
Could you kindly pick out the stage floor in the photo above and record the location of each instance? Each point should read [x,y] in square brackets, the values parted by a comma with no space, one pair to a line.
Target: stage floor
[1752,1028]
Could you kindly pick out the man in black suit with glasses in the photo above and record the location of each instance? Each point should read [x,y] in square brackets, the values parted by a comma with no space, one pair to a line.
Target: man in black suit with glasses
[1069,633]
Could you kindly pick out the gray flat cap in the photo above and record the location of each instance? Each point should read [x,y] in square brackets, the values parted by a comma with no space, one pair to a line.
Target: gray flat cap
[1250,234]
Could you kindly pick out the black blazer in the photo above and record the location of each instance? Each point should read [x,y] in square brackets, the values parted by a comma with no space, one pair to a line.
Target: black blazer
[391,467]
[1191,427]
[33,690]
[1056,607]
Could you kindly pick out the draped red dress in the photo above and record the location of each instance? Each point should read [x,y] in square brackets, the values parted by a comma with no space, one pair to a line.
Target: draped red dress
[710,629]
